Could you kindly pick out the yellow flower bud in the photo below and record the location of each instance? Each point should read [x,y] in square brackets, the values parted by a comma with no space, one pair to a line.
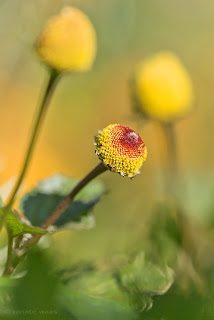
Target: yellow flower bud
[68,41]
[163,88]
[121,149]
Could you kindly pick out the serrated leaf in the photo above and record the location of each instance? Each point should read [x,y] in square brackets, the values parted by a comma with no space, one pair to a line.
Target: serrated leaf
[88,278]
[16,226]
[142,280]
[58,301]
[38,204]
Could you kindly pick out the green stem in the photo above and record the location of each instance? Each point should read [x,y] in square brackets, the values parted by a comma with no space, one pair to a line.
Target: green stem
[43,108]
[52,81]
[187,239]
[69,198]
[62,206]
[172,176]
[171,144]
[8,268]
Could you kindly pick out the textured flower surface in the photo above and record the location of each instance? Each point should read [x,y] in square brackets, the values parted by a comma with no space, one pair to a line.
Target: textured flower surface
[163,87]
[68,41]
[121,149]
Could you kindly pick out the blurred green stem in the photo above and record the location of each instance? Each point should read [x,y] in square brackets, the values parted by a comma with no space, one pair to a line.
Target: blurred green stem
[172,186]
[172,177]
[51,84]
[172,145]
[35,131]
[8,268]
[171,150]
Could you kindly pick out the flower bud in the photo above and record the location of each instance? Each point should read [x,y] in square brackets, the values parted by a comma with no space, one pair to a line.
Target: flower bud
[163,88]
[121,149]
[68,41]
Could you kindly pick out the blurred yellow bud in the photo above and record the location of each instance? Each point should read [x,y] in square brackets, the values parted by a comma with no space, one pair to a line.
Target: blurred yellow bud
[68,41]
[163,87]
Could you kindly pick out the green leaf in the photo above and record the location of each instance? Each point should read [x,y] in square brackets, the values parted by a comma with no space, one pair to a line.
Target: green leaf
[84,307]
[88,278]
[41,301]
[84,222]
[180,304]
[33,230]
[6,287]
[16,226]
[13,224]
[38,204]
[141,280]
[49,299]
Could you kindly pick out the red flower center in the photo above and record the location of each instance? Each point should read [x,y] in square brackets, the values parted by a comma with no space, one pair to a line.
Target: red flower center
[127,142]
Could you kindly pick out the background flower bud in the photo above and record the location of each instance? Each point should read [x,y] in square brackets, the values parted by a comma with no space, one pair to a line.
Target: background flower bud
[121,149]
[163,88]
[68,41]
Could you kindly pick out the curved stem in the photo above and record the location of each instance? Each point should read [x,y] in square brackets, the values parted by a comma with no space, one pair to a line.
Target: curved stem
[62,206]
[44,104]
[69,198]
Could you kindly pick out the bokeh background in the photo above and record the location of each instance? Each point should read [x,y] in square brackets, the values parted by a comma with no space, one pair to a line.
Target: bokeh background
[127,31]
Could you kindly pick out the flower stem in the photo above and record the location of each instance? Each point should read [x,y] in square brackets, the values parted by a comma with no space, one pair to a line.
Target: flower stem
[172,177]
[100,168]
[44,104]
[8,268]
[187,237]
[62,206]
[171,144]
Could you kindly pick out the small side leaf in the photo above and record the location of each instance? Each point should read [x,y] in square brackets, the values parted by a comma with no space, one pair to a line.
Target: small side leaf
[13,224]
[16,226]
[38,204]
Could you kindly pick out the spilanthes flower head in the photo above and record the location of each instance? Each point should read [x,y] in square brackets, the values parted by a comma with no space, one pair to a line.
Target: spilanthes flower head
[68,41]
[121,149]
[163,88]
